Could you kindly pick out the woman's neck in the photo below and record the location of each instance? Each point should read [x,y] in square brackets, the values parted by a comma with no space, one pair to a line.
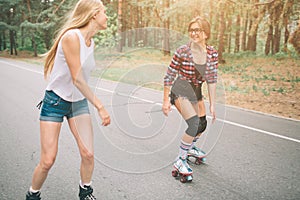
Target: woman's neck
[198,47]
[87,33]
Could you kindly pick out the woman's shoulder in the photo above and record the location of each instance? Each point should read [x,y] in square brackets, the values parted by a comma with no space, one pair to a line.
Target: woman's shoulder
[183,48]
[70,38]
[71,35]
[212,51]
[211,48]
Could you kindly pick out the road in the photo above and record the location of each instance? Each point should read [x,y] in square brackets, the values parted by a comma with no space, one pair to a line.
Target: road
[251,155]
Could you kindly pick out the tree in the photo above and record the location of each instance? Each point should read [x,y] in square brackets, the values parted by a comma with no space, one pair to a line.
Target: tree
[286,13]
[246,24]
[295,38]
[222,28]
[120,23]
[237,34]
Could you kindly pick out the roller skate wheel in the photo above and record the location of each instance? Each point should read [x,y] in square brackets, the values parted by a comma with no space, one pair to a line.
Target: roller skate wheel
[203,159]
[174,173]
[183,179]
[198,161]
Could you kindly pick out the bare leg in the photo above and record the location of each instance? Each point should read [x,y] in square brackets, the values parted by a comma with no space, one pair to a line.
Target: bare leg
[81,127]
[49,133]
[187,110]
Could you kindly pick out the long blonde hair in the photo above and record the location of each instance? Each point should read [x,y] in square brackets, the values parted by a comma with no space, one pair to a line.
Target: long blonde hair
[80,16]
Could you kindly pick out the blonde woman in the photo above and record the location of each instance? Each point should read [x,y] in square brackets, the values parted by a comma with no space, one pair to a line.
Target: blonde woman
[193,64]
[68,65]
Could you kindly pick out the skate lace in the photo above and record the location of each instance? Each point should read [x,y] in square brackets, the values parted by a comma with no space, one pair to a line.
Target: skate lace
[188,166]
[184,164]
[198,150]
[90,197]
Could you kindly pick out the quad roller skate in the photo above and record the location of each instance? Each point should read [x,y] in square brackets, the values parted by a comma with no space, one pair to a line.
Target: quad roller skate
[196,155]
[183,170]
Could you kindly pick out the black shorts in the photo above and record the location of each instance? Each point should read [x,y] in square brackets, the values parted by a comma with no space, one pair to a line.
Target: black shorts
[182,88]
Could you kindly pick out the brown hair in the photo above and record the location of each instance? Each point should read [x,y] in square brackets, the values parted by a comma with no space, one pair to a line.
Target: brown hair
[84,10]
[203,23]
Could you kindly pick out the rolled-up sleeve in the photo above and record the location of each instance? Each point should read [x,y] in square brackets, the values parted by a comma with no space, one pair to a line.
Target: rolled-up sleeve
[172,70]
[211,75]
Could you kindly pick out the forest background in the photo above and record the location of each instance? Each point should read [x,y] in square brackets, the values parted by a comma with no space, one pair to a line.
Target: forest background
[258,42]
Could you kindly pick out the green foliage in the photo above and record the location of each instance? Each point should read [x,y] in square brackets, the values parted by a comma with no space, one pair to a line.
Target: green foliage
[41,21]
[108,37]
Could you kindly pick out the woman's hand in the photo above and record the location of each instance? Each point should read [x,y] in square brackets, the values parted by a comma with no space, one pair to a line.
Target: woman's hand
[166,107]
[212,112]
[104,116]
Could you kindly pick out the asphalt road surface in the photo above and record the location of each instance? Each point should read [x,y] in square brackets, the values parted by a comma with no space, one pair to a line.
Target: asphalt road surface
[251,155]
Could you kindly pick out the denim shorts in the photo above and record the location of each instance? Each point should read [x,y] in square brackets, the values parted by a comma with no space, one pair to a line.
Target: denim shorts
[54,108]
[182,88]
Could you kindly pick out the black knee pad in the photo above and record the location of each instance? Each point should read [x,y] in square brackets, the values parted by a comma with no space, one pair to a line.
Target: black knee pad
[202,124]
[192,125]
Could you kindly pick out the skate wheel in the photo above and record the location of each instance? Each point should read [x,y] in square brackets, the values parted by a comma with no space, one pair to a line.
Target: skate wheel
[203,159]
[183,179]
[198,161]
[174,173]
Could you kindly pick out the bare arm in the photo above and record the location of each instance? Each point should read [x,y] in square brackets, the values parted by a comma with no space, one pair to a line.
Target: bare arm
[212,98]
[166,103]
[71,48]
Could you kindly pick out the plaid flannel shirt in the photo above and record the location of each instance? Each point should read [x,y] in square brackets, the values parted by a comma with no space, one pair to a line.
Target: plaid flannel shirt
[182,64]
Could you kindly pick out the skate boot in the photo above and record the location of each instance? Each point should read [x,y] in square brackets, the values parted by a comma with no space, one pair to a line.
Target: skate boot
[198,155]
[86,193]
[33,196]
[182,168]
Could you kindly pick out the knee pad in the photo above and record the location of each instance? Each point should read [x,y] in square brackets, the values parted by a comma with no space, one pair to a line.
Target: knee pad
[202,124]
[192,126]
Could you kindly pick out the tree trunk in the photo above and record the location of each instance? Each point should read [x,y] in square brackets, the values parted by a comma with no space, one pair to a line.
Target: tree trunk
[286,37]
[1,41]
[258,15]
[13,47]
[15,42]
[136,25]
[119,49]
[214,20]
[221,32]
[278,9]
[269,41]
[166,42]
[11,37]
[34,44]
[287,10]
[229,34]
[237,34]
[245,32]
[129,33]
[276,44]
[4,40]
[295,38]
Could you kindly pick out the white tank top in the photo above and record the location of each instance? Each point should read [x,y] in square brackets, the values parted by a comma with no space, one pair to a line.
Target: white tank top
[60,78]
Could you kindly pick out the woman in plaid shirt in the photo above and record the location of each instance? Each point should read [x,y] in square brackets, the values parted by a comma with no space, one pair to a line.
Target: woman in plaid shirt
[191,65]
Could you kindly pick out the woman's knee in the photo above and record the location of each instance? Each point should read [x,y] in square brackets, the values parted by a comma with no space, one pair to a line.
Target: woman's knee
[87,155]
[202,124]
[47,163]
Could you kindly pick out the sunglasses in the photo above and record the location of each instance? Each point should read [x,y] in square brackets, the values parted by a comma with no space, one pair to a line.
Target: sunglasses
[195,30]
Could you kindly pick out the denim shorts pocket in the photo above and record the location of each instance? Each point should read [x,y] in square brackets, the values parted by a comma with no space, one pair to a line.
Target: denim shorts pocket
[51,98]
